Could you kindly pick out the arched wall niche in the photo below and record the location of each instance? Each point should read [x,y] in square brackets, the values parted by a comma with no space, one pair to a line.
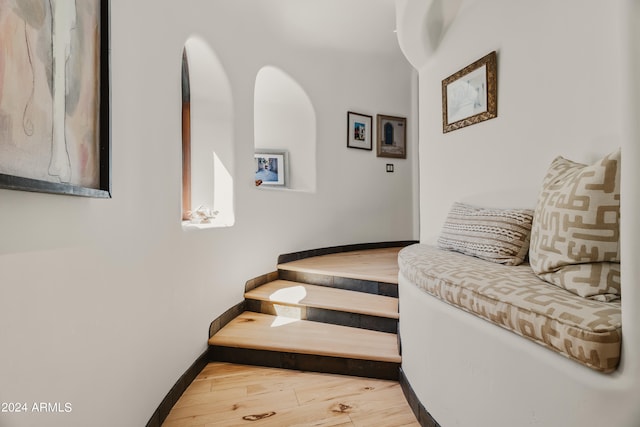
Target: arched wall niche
[208,145]
[284,119]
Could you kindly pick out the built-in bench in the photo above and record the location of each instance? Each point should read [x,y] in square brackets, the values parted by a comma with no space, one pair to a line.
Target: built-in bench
[514,298]
[482,303]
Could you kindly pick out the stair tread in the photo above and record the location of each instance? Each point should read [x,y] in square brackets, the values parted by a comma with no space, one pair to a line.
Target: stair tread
[378,265]
[265,332]
[302,294]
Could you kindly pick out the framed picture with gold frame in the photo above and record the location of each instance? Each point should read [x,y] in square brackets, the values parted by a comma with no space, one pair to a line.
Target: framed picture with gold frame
[470,96]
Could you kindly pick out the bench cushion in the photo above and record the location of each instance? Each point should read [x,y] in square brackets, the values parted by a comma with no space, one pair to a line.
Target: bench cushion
[514,298]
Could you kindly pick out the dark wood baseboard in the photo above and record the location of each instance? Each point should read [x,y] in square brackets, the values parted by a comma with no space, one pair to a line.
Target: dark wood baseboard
[306,362]
[422,415]
[295,256]
[226,317]
[178,388]
[260,280]
[190,374]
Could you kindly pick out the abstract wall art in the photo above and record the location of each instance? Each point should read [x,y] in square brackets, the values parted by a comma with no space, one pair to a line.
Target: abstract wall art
[54,96]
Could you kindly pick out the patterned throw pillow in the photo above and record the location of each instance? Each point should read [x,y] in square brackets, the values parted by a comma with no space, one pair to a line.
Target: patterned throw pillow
[576,229]
[497,235]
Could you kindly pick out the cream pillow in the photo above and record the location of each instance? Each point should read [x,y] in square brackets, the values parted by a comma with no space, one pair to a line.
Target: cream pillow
[575,234]
[496,235]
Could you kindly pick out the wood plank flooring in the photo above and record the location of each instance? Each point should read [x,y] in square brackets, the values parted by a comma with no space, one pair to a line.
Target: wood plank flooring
[379,265]
[276,333]
[229,395]
[302,294]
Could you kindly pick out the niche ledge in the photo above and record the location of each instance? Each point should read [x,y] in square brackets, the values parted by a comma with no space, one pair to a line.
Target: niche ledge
[287,189]
[215,223]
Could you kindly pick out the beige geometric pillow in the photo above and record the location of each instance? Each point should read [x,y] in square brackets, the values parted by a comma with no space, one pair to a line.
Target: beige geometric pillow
[496,235]
[575,236]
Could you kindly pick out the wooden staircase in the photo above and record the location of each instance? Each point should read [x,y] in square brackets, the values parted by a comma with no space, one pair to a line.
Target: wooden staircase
[333,313]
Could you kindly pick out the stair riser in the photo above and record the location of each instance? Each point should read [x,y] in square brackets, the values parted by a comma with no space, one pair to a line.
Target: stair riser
[307,362]
[334,317]
[294,256]
[376,288]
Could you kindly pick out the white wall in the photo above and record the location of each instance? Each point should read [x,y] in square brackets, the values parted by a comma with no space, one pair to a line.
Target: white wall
[559,93]
[105,303]
[567,85]
[284,119]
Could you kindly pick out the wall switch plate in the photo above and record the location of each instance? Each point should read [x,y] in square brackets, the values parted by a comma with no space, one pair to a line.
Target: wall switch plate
[389,167]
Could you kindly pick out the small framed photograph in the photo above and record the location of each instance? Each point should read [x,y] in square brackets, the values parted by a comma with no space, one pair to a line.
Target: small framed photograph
[392,137]
[359,131]
[470,96]
[271,168]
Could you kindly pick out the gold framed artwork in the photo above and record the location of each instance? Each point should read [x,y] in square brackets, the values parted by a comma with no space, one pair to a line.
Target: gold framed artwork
[470,95]
[392,137]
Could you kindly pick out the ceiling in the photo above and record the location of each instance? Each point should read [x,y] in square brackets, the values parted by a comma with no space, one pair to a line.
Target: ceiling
[349,25]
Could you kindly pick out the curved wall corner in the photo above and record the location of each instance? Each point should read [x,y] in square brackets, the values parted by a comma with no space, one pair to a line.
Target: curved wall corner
[421,25]
[212,144]
[284,119]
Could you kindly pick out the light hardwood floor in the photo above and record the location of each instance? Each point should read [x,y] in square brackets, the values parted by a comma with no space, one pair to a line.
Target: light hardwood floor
[275,333]
[229,395]
[302,294]
[226,394]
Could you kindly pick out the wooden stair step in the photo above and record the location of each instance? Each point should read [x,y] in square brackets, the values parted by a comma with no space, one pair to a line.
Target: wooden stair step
[305,295]
[272,333]
[377,265]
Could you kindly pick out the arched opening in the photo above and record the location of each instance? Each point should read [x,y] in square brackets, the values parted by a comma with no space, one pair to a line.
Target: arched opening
[285,122]
[207,139]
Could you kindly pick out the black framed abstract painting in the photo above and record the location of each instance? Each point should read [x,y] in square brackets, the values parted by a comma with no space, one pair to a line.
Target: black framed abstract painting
[54,97]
